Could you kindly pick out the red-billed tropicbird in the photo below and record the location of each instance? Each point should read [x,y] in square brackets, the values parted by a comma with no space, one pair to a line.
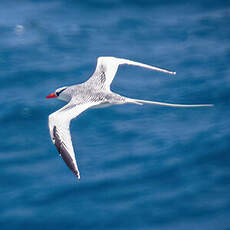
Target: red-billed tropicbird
[95,92]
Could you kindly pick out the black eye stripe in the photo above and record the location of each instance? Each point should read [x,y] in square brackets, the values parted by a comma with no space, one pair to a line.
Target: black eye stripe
[58,93]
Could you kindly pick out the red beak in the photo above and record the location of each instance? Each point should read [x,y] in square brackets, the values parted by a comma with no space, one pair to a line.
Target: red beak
[52,95]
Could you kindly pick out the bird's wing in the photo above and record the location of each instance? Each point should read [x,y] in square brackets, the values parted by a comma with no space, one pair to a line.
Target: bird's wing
[59,123]
[107,67]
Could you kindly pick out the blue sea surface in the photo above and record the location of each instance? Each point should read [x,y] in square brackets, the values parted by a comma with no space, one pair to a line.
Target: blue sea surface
[142,167]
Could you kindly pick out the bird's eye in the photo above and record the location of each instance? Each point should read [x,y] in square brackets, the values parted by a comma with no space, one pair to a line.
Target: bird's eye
[59,92]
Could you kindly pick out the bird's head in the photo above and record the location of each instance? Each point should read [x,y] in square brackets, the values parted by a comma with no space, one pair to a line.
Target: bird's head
[61,94]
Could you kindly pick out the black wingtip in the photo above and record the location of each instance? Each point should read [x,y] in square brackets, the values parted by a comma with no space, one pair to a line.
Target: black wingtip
[77,175]
[64,153]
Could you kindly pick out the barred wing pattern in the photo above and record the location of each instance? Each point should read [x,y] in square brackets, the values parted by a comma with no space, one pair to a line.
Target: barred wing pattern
[107,67]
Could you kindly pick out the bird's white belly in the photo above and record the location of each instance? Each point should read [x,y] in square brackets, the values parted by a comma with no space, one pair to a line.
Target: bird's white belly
[102,105]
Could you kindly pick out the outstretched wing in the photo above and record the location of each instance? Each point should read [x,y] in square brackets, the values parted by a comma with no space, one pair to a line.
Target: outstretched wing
[107,67]
[59,123]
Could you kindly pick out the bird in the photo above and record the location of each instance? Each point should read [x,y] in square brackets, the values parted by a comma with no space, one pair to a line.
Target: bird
[93,93]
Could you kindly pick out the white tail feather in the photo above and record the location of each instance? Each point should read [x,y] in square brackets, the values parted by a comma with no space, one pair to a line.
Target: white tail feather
[140,102]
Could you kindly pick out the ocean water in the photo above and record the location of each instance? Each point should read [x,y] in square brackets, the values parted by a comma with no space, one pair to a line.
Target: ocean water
[142,167]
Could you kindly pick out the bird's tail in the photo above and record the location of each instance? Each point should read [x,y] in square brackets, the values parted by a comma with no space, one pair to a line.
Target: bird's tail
[141,102]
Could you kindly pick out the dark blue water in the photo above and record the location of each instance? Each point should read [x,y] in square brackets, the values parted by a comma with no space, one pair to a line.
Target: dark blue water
[142,167]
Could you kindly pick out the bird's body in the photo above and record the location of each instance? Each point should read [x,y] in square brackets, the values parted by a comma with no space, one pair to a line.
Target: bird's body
[86,93]
[93,93]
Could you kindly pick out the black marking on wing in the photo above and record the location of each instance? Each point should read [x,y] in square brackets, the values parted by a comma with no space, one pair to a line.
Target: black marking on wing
[60,145]
[102,77]
[102,74]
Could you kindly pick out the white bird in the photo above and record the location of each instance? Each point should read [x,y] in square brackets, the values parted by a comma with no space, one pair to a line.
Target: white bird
[95,92]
